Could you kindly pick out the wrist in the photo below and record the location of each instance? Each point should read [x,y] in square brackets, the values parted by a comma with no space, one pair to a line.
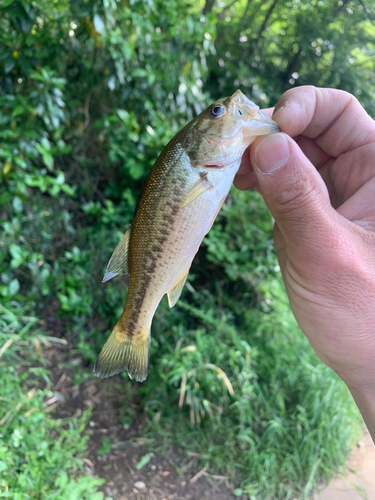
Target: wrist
[364,397]
[359,380]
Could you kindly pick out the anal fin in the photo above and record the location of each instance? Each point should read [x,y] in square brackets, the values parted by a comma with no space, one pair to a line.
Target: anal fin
[217,212]
[118,263]
[175,291]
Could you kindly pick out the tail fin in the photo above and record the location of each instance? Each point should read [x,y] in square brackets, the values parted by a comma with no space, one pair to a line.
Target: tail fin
[132,355]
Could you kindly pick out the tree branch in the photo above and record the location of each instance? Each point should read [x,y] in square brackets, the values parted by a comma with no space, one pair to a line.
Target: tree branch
[367,10]
[264,24]
[208,6]
[293,65]
[342,6]
[245,11]
[221,14]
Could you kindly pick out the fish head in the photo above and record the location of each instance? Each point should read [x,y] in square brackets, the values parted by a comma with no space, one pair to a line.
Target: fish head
[222,132]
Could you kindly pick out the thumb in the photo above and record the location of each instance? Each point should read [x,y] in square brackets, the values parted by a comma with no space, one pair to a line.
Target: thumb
[294,192]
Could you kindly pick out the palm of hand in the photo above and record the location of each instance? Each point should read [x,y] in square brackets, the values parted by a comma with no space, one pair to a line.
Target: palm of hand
[328,262]
[338,137]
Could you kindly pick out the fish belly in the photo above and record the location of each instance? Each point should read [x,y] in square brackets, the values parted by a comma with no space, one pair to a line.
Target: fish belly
[165,236]
[186,232]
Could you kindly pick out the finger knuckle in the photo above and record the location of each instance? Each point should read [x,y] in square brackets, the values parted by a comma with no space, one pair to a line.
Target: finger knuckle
[295,196]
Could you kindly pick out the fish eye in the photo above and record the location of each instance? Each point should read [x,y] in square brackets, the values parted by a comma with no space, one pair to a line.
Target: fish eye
[217,110]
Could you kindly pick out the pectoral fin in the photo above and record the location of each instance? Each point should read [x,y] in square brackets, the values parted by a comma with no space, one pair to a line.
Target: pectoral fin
[175,292]
[197,190]
[118,263]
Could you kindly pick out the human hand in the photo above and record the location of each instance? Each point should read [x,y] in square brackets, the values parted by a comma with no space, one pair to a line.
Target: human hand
[320,189]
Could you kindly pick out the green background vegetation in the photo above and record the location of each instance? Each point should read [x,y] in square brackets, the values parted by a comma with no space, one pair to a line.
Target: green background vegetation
[90,92]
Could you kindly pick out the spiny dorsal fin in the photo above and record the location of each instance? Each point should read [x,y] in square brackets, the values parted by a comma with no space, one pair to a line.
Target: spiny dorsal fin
[175,292]
[118,263]
[197,190]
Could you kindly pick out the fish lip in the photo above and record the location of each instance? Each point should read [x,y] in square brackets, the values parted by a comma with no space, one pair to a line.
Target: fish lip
[260,125]
[243,103]
[255,118]
[252,114]
[257,123]
[262,120]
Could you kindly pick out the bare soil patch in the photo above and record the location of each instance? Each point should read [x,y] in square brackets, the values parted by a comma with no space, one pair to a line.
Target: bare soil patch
[168,475]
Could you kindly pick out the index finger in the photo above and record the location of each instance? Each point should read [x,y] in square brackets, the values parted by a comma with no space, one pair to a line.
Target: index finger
[334,118]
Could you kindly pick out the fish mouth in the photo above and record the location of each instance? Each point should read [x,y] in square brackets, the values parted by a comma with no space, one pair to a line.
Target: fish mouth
[239,98]
[262,125]
[257,123]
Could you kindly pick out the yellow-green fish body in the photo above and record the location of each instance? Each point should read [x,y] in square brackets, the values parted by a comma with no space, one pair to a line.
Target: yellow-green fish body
[181,198]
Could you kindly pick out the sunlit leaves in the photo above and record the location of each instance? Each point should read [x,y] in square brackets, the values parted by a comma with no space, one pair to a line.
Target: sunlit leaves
[274,45]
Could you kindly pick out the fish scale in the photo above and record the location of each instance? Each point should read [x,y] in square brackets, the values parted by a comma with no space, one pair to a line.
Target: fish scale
[177,207]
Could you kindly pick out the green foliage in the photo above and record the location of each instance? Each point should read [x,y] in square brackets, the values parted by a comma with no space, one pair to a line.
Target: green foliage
[39,455]
[106,446]
[90,92]
[258,403]
[144,461]
[241,240]
[269,47]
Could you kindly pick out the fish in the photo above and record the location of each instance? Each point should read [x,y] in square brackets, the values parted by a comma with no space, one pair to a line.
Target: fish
[181,198]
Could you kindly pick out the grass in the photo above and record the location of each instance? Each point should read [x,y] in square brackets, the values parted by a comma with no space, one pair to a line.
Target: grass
[289,422]
[40,456]
[231,376]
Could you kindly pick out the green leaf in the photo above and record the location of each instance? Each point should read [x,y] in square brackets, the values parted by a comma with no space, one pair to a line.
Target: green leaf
[9,65]
[17,204]
[48,160]
[5,197]
[13,286]
[18,255]
[18,110]
[99,24]
[106,446]
[46,144]
[144,461]
[60,179]
[5,3]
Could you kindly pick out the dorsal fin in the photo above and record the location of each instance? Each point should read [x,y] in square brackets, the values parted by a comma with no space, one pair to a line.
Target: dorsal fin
[118,263]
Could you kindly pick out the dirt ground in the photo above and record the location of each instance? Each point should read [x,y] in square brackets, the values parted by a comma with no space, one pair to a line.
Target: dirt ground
[359,482]
[170,474]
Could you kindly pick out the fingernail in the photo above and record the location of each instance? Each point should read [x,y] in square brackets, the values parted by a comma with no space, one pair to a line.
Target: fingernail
[277,110]
[272,153]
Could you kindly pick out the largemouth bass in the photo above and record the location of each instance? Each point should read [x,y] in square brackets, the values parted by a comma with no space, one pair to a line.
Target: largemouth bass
[179,203]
